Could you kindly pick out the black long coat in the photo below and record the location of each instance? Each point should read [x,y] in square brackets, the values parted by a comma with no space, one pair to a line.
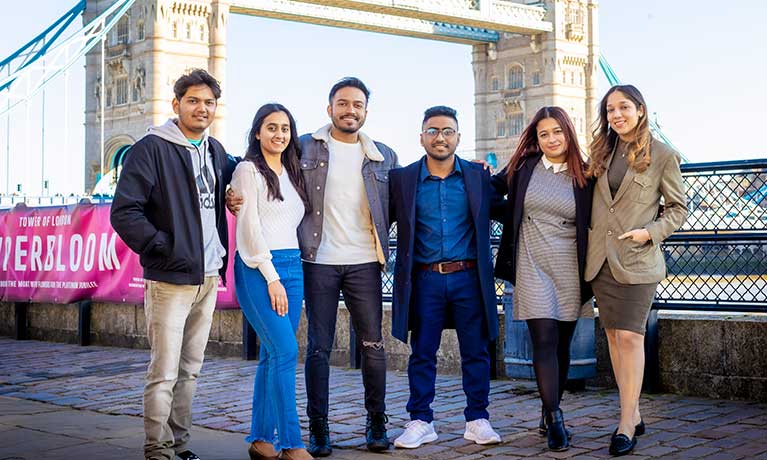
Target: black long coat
[509,212]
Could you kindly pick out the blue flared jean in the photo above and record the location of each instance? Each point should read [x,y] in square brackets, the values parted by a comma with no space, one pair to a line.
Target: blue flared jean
[274,391]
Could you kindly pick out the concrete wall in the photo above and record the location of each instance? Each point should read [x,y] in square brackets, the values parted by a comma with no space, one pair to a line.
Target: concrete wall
[712,355]
[719,356]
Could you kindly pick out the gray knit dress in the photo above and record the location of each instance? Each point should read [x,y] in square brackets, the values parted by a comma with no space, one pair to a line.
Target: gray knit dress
[547,284]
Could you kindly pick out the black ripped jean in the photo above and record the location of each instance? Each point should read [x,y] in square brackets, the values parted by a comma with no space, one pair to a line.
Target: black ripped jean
[361,286]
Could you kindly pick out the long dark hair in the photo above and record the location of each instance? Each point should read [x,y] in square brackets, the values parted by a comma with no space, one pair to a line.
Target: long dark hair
[604,139]
[289,157]
[528,145]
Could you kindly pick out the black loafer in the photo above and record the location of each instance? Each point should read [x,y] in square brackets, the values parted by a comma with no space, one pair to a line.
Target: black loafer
[639,430]
[187,455]
[620,444]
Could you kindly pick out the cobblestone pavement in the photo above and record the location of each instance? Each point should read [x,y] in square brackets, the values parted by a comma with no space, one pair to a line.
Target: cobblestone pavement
[110,381]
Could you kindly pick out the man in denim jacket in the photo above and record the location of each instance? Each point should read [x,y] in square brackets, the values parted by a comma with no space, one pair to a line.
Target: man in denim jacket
[344,240]
[344,244]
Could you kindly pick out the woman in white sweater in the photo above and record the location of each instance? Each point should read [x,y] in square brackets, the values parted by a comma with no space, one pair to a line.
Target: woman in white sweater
[268,276]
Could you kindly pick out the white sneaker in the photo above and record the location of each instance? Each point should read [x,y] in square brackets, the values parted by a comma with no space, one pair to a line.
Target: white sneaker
[416,433]
[481,432]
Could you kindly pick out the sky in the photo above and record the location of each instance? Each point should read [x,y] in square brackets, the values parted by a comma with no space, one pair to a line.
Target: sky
[699,64]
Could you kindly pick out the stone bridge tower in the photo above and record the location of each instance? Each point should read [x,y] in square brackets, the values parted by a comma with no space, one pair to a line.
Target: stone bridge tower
[146,51]
[522,73]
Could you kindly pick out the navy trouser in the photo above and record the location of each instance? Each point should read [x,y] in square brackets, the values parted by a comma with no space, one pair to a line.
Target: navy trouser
[436,299]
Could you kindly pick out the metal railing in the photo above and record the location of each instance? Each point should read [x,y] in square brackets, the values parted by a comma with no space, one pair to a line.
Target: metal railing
[717,261]
[10,201]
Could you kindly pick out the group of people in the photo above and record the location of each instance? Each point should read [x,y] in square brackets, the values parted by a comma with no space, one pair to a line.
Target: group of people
[313,217]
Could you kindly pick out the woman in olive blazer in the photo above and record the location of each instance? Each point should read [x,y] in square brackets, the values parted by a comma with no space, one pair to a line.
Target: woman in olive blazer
[624,261]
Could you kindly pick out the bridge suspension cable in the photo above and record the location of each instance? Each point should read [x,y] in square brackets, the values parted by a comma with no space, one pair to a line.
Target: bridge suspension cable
[33,73]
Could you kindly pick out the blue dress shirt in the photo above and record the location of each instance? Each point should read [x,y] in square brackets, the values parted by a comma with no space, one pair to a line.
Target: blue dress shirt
[444,230]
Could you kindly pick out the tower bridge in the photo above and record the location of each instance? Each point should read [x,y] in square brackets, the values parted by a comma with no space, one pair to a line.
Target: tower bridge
[525,54]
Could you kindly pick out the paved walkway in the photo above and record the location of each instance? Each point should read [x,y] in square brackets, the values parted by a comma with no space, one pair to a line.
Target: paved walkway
[62,401]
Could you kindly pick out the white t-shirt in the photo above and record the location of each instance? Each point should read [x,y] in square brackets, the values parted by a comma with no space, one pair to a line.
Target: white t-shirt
[264,224]
[347,226]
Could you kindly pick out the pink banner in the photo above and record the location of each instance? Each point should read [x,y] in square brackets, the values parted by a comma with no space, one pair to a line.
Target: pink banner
[65,254]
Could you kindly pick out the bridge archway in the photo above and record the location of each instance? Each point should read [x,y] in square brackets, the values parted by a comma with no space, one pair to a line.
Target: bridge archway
[115,153]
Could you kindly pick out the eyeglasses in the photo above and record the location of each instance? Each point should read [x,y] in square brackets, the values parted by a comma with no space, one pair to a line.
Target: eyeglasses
[446,132]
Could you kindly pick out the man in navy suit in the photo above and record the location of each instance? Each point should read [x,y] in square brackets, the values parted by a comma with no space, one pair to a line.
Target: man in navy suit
[443,275]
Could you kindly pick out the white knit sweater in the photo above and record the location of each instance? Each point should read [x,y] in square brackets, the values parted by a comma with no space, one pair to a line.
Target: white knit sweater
[264,224]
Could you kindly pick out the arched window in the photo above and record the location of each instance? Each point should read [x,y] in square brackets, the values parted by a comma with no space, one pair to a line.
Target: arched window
[140,33]
[500,128]
[121,31]
[175,30]
[494,84]
[121,90]
[516,77]
[202,33]
[516,124]
[188,31]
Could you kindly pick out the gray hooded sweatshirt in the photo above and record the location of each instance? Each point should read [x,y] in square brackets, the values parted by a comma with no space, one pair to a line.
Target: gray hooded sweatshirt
[206,188]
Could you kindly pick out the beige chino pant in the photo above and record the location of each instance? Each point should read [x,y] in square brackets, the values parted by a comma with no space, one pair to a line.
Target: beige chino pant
[178,319]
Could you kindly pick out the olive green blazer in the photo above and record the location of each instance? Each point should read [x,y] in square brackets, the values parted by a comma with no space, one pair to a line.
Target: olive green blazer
[636,206]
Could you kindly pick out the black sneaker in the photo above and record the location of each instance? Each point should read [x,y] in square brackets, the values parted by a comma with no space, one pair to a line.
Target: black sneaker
[375,432]
[187,455]
[319,437]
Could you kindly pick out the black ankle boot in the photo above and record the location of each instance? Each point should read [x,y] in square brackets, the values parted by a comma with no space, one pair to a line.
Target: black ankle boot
[543,430]
[375,432]
[319,437]
[556,433]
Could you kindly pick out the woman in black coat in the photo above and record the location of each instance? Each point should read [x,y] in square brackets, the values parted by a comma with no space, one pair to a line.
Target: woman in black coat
[545,219]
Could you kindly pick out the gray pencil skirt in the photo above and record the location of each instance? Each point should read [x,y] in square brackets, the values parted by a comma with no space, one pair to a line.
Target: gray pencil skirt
[622,306]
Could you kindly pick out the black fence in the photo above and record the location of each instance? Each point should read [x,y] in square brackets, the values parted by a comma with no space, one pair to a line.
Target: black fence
[718,260]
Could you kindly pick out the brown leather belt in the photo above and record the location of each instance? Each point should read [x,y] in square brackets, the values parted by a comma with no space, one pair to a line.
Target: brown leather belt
[448,267]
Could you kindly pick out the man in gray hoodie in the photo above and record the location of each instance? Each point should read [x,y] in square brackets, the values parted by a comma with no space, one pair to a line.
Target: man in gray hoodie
[169,208]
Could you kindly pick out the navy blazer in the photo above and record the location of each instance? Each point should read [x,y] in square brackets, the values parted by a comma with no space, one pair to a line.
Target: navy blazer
[403,183]
[509,213]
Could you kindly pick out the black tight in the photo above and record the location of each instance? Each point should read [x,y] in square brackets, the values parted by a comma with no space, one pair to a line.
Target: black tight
[551,357]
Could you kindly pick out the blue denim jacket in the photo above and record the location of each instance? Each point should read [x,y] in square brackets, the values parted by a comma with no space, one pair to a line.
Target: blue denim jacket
[379,159]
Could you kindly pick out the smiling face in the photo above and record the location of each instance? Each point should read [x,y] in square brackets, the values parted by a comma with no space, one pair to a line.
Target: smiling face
[440,137]
[348,109]
[552,140]
[195,110]
[622,114]
[274,134]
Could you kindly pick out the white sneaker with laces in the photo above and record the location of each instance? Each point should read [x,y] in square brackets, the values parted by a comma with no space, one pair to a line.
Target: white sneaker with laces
[416,432]
[481,432]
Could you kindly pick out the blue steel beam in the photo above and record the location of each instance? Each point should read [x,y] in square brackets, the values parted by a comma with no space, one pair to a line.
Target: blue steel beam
[60,57]
[466,32]
[28,53]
